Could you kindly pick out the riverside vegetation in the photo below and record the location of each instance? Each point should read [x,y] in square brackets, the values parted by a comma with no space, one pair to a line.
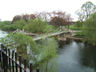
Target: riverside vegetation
[41,52]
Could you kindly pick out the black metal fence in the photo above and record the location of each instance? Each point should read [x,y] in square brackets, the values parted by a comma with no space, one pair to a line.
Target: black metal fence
[12,62]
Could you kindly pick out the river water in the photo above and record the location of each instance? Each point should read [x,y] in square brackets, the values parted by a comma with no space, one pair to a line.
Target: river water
[73,57]
[3,34]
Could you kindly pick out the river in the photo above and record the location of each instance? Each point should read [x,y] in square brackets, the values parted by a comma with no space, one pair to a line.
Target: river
[73,57]
[3,34]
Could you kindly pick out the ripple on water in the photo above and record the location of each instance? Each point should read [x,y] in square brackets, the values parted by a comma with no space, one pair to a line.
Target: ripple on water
[69,58]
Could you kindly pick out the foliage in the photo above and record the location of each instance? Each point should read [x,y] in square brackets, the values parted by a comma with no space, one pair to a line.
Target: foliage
[90,29]
[19,42]
[44,15]
[88,58]
[19,24]
[60,19]
[78,24]
[16,18]
[47,50]
[38,26]
[39,53]
[73,27]
[57,21]
[7,26]
[52,66]
[25,17]
[33,23]
[79,34]
[86,10]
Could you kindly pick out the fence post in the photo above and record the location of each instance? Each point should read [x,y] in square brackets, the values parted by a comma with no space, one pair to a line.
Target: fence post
[6,60]
[25,65]
[31,67]
[37,70]
[13,60]
[16,62]
[9,60]
[20,61]
[3,58]
[2,47]
[0,55]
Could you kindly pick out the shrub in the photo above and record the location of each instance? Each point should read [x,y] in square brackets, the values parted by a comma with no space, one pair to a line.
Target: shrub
[19,42]
[90,29]
[38,26]
[77,26]
[39,53]
[20,24]
[7,26]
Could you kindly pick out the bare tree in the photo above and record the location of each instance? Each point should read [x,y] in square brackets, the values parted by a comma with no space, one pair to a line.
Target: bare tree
[86,10]
[60,19]
[16,18]
[32,16]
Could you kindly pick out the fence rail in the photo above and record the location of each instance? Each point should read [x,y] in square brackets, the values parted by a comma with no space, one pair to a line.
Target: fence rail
[12,62]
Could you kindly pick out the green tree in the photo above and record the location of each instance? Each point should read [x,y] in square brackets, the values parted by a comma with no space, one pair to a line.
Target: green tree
[7,26]
[19,42]
[90,29]
[38,26]
[47,49]
[39,53]
[20,24]
[78,24]
[86,10]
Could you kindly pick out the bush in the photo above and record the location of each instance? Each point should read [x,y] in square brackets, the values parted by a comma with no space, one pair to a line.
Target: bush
[90,29]
[39,53]
[79,34]
[77,26]
[19,42]
[38,26]
[46,51]
[7,26]
[20,24]
[35,26]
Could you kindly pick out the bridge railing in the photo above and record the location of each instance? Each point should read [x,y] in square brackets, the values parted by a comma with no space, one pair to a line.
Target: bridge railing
[12,62]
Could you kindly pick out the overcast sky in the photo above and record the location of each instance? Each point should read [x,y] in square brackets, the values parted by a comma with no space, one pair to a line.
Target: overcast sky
[10,8]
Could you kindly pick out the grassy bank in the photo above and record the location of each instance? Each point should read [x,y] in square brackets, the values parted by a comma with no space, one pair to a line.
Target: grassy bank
[34,26]
[7,26]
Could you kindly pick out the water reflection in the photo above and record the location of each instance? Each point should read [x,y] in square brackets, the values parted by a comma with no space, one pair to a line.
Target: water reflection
[69,58]
[3,34]
[88,57]
[74,57]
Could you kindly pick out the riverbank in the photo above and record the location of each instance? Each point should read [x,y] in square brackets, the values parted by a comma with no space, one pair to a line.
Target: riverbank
[69,56]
